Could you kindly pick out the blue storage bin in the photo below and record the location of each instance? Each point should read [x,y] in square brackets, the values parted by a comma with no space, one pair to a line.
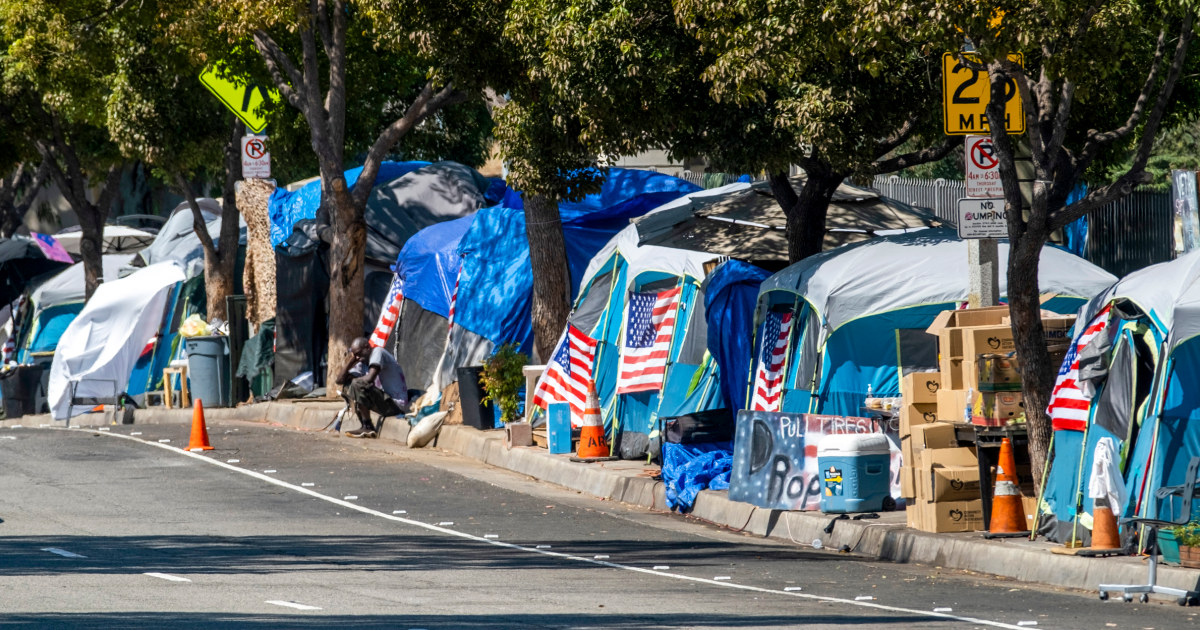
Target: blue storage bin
[855,472]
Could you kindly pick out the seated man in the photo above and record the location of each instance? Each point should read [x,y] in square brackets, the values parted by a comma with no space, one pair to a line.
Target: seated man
[381,388]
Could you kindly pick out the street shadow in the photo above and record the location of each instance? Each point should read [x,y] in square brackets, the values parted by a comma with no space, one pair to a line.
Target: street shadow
[26,555]
[740,619]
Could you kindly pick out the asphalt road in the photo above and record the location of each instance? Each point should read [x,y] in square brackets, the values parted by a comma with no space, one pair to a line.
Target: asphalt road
[280,528]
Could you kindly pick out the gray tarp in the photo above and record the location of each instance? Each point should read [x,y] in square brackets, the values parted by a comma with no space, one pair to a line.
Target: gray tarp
[404,206]
[177,240]
[748,223]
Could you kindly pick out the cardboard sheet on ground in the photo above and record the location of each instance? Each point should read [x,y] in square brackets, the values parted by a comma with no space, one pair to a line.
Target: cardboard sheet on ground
[775,457]
[98,349]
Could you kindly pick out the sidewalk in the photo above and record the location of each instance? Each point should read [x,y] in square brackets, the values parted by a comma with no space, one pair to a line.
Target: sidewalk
[627,481]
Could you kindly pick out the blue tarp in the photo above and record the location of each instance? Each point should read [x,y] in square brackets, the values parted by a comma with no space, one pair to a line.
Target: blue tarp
[428,265]
[689,468]
[495,286]
[285,208]
[729,301]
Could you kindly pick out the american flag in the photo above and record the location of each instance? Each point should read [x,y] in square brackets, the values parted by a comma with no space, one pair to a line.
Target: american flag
[389,315]
[650,324]
[1068,406]
[569,374]
[768,378]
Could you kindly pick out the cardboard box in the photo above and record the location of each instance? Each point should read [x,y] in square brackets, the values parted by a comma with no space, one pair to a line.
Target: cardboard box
[947,457]
[932,436]
[922,413]
[1000,372]
[950,483]
[996,409]
[948,325]
[908,482]
[907,455]
[951,516]
[921,387]
[952,405]
[912,516]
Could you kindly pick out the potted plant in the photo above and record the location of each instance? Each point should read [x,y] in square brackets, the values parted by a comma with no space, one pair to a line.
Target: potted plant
[503,380]
[1187,536]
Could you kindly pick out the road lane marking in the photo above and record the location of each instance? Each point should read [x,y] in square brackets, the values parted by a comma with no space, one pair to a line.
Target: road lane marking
[350,497]
[8,437]
[297,606]
[791,589]
[722,577]
[308,484]
[265,471]
[394,511]
[167,576]
[136,433]
[661,567]
[233,461]
[490,536]
[566,556]
[63,552]
[165,441]
[445,523]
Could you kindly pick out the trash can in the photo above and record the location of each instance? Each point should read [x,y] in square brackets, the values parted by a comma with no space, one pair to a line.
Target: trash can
[22,391]
[855,473]
[209,376]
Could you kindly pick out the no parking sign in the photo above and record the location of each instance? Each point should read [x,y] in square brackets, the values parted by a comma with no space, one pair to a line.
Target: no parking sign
[982,168]
[256,160]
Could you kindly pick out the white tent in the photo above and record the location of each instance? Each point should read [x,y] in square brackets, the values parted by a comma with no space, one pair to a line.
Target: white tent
[117,239]
[98,350]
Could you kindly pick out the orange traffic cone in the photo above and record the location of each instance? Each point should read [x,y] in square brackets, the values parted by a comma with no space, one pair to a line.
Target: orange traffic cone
[591,432]
[199,441]
[1105,534]
[1008,515]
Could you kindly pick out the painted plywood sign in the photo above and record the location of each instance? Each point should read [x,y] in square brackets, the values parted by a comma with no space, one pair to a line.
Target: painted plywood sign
[775,457]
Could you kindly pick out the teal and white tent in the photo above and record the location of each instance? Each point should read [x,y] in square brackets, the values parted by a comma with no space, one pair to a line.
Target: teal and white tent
[852,304]
[624,266]
[1138,369]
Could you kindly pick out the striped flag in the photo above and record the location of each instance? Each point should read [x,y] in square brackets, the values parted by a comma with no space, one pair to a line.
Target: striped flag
[391,312]
[768,378]
[1068,408]
[454,297]
[10,345]
[650,324]
[569,374]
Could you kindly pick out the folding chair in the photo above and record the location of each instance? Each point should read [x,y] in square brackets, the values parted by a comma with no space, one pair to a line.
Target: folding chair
[1186,492]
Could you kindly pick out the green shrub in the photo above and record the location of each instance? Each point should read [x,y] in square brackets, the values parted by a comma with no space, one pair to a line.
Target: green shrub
[1187,535]
[503,380]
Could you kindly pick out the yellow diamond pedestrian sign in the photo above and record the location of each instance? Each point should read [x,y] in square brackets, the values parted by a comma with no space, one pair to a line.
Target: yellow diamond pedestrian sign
[967,92]
[241,96]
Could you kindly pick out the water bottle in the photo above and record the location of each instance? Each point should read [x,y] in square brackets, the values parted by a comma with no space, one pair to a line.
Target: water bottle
[967,410]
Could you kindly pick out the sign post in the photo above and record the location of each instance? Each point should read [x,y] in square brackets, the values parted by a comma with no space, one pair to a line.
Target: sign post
[256,160]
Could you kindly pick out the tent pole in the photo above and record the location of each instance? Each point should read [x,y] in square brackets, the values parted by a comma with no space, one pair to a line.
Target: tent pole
[1037,512]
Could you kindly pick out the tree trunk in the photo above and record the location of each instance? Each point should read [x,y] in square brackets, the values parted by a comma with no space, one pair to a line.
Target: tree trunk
[219,265]
[91,247]
[806,212]
[551,276]
[346,274]
[1037,373]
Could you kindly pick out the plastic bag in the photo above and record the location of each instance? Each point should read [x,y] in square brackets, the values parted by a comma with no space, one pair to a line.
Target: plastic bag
[194,326]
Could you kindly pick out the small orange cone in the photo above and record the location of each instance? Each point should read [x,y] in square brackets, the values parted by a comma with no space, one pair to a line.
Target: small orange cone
[1105,534]
[199,441]
[591,431]
[1008,515]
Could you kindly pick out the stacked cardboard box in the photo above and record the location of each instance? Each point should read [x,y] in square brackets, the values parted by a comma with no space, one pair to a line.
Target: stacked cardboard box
[975,341]
[939,480]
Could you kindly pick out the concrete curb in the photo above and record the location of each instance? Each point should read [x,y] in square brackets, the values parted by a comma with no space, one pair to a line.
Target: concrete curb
[626,482]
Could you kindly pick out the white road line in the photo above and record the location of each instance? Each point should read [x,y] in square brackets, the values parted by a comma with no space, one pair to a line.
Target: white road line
[136,433]
[567,556]
[63,552]
[8,437]
[167,576]
[280,602]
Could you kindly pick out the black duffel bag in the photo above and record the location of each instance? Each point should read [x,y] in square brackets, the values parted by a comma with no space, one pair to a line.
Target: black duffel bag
[715,425]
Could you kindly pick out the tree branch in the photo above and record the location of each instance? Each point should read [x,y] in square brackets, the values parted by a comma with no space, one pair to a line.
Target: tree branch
[199,225]
[335,98]
[426,104]
[112,187]
[928,154]
[318,8]
[1096,140]
[884,146]
[1136,173]
[291,86]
